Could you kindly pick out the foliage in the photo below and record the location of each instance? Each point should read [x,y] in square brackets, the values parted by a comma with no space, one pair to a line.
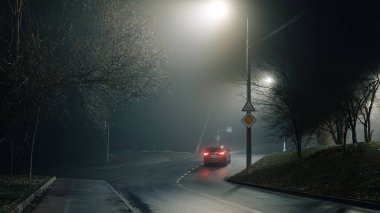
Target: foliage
[100,53]
[287,112]
[326,70]
[323,170]
[14,190]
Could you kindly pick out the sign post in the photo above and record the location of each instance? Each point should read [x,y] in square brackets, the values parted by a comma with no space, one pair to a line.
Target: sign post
[248,120]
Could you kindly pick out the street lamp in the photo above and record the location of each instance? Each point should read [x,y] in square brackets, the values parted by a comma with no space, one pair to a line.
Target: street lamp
[216,10]
[248,119]
[268,80]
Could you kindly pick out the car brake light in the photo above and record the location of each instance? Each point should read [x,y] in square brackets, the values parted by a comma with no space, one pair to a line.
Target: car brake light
[206,153]
[221,153]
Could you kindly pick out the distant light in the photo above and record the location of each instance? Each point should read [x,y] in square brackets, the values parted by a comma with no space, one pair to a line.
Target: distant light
[216,10]
[268,80]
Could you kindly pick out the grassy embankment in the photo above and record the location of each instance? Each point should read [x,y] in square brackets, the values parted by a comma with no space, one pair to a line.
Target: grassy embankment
[325,170]
[14,190]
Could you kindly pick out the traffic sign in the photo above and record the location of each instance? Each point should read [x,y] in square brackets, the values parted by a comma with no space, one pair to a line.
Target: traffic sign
[248,107]
[248,120]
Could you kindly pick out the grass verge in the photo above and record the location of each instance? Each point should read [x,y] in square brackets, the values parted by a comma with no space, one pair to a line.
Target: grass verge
[15,189]
[324,170]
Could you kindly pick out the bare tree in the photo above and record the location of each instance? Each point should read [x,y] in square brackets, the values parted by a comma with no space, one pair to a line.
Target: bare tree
[287,113]
[353,104]
[365,113]
[108,51]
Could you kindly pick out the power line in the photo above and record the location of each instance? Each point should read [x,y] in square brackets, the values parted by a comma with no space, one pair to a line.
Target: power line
[282,27]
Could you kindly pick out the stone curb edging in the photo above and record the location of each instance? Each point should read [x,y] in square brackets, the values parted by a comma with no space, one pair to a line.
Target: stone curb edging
[358,203]
[131,208]
[21,207]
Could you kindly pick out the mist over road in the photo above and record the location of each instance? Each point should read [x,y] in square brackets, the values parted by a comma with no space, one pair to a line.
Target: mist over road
[178,182]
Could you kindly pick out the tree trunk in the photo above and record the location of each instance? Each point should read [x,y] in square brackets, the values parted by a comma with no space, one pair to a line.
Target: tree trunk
[11,151]
[353,131]
[299,149]
[369,130]
[345,137]
[335,139]
[18,15]
[33,141]
[298,141]
[339,132]
[365,131]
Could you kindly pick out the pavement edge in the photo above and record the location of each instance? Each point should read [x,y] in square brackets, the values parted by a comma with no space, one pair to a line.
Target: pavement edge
[21,207]
[131,208]
[358,203]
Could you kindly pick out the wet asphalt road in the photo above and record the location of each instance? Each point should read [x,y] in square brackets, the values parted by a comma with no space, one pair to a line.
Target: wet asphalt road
[178,182]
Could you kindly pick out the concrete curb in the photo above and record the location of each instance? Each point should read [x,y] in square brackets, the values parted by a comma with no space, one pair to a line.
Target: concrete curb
[131,208]
[358,203]
[21,207]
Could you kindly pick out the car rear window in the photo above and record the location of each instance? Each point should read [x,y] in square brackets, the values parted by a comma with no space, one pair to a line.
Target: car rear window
[214,149]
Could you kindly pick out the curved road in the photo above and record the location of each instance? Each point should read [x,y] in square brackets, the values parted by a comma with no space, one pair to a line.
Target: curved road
[177,182]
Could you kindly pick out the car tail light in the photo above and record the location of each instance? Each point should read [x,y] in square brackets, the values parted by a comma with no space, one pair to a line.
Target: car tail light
[221,153]
[206,154]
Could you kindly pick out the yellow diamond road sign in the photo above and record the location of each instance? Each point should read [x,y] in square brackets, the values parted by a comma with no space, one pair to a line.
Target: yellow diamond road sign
[248,120]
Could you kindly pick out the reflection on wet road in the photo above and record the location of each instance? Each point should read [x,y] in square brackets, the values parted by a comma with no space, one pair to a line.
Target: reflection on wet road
[182,184]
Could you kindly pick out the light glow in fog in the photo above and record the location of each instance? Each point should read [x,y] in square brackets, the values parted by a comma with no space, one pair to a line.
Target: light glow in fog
[216,10]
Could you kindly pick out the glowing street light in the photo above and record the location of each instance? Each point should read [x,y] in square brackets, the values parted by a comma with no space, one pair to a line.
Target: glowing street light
[216,10]
[268,80]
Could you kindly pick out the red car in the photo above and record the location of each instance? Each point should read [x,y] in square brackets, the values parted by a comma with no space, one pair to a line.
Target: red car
[216,155]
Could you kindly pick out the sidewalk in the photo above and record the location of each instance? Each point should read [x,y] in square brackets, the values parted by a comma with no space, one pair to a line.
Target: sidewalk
[78,195]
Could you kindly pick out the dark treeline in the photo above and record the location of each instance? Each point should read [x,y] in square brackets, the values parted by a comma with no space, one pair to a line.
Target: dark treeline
[64,67]
[327,72]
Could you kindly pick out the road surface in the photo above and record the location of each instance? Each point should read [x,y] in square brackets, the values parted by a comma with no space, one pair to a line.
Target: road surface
[81,196]
[177,182]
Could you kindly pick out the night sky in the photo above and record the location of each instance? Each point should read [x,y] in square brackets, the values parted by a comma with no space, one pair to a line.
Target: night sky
[323,54]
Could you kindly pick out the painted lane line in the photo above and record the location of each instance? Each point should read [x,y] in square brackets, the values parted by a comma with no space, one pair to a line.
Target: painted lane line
[187,172]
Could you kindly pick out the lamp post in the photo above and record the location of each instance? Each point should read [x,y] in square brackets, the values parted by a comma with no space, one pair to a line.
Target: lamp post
[248,119]
[218,9]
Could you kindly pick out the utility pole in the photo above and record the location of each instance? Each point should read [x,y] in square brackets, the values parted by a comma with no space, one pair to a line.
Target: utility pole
[248,67]
[248,119]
